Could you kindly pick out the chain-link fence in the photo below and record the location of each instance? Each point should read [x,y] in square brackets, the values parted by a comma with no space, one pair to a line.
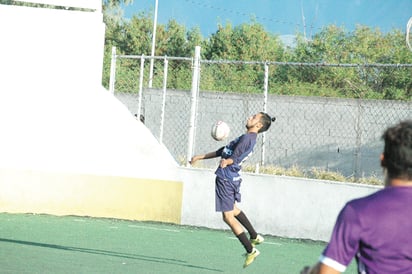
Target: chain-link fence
[187,95]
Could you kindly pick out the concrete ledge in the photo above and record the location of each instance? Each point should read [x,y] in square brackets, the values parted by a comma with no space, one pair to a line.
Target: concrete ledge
[25,191]
[277,205]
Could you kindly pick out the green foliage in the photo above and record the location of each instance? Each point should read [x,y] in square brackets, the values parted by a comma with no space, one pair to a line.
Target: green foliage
[372,180]
[244,42]
[327,175]
[363,46]
[250,42]
[115,3]
[314,173]
[138,35]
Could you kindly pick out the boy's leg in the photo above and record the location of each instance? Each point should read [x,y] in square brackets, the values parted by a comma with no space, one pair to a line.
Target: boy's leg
[237,229]
[226,195]
[241,217]
[231,221]
[254,237]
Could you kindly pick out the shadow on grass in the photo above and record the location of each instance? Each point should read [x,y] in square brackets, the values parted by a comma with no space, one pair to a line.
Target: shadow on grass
[110,253]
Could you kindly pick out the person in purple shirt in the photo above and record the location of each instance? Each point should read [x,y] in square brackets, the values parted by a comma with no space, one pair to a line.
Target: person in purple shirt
[228,180]
[376,230]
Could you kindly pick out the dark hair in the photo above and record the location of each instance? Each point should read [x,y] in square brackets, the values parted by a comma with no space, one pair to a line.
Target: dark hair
[141,117]
[398,150]
[266,121]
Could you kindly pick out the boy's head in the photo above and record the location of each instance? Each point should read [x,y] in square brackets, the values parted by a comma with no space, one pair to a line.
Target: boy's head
[397,154]
[266,121]
[260,122]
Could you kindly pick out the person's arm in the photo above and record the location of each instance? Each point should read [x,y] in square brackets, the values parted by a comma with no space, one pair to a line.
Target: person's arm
[325,269]
[319,268]
[209,155]
[343,245]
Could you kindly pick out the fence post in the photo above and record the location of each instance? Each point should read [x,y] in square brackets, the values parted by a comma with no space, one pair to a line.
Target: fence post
[162,118]
[265,100]
[194,95]
[358,148]
[139,107]
[112,71]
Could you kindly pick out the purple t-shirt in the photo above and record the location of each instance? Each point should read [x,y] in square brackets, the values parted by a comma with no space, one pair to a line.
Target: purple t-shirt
[377,231]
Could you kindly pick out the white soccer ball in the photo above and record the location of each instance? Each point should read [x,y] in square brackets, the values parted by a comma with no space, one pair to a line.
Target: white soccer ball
[220,131]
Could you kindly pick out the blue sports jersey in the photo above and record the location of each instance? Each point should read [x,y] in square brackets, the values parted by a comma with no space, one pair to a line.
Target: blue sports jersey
[238,150]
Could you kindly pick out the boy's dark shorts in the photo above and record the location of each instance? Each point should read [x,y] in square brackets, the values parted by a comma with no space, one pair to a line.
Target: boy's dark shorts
[227,192]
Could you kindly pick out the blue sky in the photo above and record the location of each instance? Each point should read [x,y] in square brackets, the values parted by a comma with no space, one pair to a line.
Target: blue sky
[281,17]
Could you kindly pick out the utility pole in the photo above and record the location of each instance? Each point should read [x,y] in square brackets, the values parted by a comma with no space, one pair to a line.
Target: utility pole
[303,20]
[153,44]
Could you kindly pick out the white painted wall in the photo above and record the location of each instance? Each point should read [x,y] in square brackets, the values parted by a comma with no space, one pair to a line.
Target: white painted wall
[276,205]
[54,113]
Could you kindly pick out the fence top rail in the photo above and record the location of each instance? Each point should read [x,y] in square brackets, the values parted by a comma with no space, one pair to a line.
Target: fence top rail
[303,64]
[296,64]
[154,57]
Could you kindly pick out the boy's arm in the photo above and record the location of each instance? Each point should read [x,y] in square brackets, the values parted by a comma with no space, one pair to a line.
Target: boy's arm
[209,155]
[319,268]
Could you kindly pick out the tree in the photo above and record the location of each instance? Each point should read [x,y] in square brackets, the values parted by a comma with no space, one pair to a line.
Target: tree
[107,4]
[250,42]
[363,46]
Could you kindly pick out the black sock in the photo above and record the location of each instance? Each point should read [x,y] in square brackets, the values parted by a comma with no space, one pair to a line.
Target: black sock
[241,217]
[245,242]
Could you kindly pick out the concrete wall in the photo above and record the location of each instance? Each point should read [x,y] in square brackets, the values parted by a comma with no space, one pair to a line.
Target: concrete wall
[59,193]
[67,146]
[277,205]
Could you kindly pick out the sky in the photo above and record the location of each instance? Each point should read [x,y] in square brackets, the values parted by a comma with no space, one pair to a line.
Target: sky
[280,17]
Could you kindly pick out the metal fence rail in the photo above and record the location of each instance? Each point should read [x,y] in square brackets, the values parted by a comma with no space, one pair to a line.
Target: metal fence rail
[189,94]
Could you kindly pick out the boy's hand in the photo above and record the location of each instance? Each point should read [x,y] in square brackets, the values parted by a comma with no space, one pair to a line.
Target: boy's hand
[194,160]
[225,162]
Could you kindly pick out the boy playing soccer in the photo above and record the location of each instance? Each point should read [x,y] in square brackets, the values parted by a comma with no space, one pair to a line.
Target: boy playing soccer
[227,182]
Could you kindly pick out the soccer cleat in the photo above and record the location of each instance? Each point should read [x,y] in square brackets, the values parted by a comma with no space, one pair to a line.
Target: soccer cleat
[250,257]
[259,239]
